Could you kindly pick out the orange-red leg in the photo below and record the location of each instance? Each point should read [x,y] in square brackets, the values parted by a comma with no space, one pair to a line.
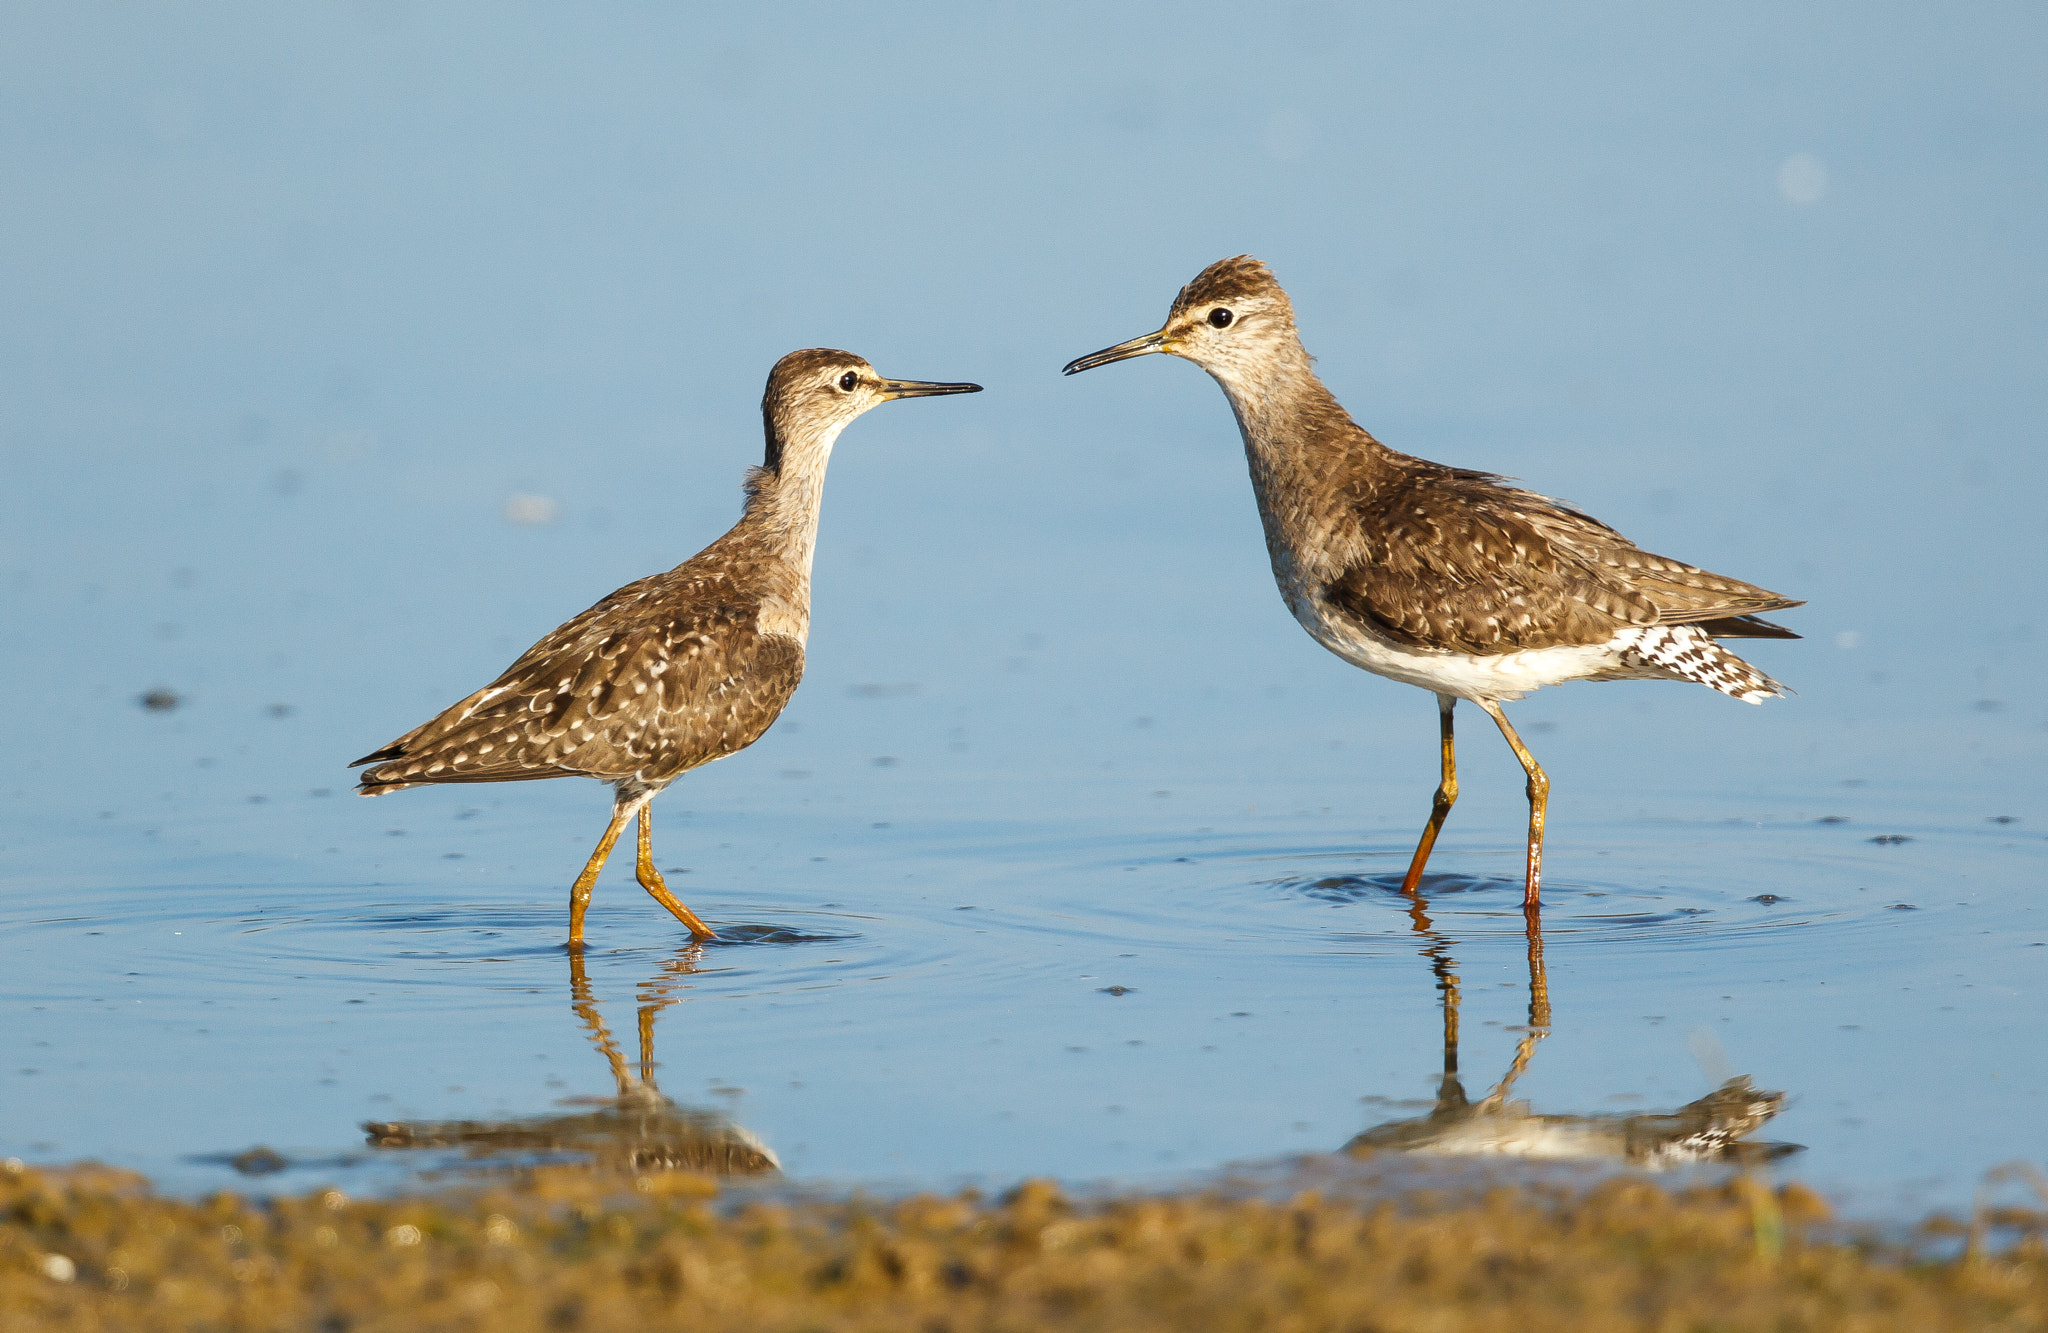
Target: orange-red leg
[651,880]
[1446,797]
[1539,805]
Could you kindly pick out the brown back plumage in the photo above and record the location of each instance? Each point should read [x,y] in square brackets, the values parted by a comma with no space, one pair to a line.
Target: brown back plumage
[679,668]
[1461,560]
[664,675]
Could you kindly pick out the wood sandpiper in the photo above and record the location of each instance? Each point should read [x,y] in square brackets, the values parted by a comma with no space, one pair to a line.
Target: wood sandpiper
[679,668]
[1438,576]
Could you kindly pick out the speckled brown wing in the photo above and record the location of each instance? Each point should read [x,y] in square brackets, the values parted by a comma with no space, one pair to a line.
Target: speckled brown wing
[1456,560]
[660,677]
[1683,594]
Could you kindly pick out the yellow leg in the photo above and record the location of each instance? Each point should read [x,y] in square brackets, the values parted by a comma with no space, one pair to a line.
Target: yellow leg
[1539,804]
[650,880]
[579,892]
[1446,797]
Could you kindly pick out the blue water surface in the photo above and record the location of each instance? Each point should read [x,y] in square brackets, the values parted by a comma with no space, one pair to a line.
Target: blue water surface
[349,348]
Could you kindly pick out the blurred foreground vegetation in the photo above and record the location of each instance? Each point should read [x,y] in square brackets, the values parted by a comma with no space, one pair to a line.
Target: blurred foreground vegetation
[563,1248]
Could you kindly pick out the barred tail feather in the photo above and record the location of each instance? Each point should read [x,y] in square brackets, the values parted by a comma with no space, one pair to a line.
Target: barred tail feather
[1688,652]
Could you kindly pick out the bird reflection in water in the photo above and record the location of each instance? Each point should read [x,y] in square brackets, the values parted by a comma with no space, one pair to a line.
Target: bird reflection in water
[637,1131]
[1713,1128]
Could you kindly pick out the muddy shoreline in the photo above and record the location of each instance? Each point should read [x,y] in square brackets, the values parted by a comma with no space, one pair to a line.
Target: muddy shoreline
[566,1247]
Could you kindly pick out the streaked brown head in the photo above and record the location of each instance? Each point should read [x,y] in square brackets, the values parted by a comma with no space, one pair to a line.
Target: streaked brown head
[1239,280]
[1234,321]
[814,392]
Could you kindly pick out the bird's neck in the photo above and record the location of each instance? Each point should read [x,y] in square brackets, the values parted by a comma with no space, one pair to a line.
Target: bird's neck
[782,515]
[781,522]
[1310,463]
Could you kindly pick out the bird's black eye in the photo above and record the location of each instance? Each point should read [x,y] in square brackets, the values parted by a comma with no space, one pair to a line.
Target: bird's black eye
[1221,317]
[848,380]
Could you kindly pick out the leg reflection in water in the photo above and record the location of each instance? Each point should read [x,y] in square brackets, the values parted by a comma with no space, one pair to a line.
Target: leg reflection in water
[1710,1129]
[635,1131]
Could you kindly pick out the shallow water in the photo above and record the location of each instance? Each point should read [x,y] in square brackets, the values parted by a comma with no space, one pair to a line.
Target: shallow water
[347,356]
[928,1008]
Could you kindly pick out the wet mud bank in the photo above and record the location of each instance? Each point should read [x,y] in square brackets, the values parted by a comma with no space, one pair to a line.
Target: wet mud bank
[566,1248]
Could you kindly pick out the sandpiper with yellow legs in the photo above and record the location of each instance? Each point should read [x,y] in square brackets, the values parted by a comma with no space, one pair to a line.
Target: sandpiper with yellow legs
[678,669]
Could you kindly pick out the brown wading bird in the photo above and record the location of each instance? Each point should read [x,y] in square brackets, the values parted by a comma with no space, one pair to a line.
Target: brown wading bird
[1439,576]
[680,668]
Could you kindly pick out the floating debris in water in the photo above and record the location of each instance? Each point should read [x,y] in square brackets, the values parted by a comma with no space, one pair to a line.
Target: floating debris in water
[279,710]
[1768,898]
[1890,839]
[1116,990]
[1832,819]
[1900,907]
[160,700]
[2005,819]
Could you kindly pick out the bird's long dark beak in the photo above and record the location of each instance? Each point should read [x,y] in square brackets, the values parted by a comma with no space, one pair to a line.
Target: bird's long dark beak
[1151,342]
[923,388]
